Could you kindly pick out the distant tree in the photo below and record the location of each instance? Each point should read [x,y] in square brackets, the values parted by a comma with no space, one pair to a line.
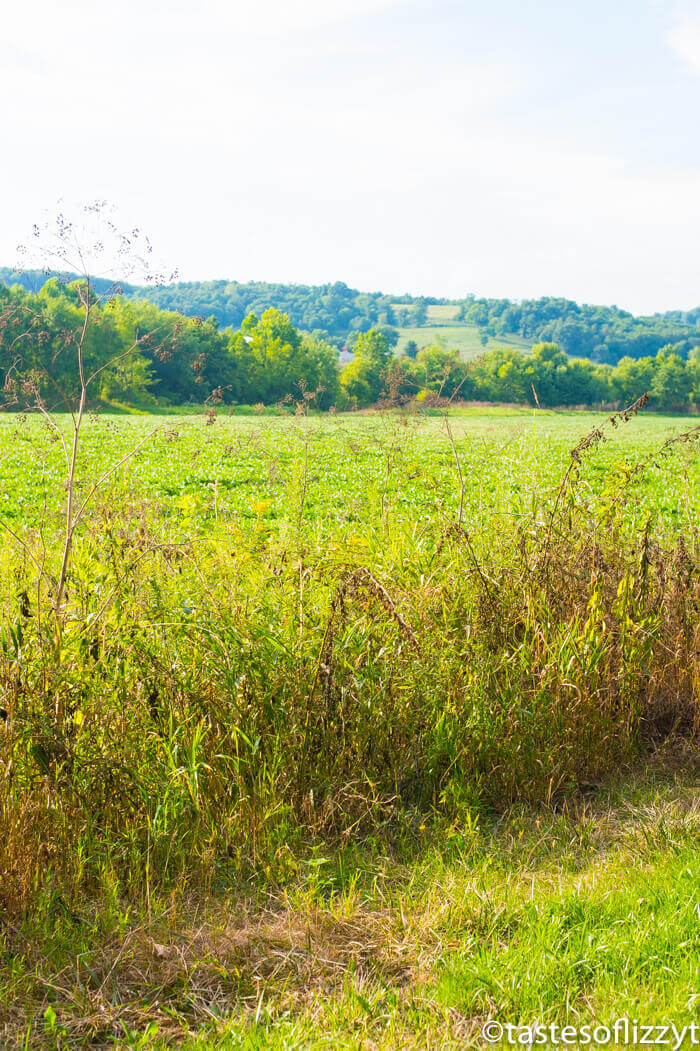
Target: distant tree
[442,372]
[373,347]
[187,358]
[411,349]
[501,375]
[357,386]
[361,381]
[632,377]
[693,376]
[273,359]
[390,333]
[670,390]
[545,369]
[320,374]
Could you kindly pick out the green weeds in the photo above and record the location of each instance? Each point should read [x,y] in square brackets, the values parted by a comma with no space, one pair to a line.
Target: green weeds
[224,688]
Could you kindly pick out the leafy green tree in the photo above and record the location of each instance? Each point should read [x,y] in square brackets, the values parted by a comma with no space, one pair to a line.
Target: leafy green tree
[390,333]
[320,374]
[373,347]
[276,362]
[693,376]
[357,386]
[546,369]
[500,375]
[670,390]
[442,372]
[128,382]
[361,381]
[187,358]
[631,378]
[39,335]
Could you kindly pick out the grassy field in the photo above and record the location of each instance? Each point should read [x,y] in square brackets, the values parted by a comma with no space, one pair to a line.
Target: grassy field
[464,338]
[443,329]
[440,313]
[360,470]
[355,731]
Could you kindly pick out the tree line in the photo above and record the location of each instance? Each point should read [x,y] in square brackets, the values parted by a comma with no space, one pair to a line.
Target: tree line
[334,310]
[548,377]
[145,356]
[338,313]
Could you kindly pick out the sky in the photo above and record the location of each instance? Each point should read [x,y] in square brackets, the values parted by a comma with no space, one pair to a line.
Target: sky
[512,148]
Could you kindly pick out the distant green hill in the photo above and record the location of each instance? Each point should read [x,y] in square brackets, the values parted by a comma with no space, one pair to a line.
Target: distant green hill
[604,334]
[34,280]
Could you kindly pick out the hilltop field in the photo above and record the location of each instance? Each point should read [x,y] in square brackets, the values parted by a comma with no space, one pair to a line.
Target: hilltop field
[358,730]
[441,328]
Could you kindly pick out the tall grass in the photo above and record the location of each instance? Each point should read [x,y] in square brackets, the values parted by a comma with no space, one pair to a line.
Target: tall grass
[211,704]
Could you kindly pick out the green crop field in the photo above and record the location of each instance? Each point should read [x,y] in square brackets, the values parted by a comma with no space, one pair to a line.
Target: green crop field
[244,472]
[349,730]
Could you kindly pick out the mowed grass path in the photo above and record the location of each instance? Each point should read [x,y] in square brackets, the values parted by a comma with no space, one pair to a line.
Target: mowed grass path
[574,917]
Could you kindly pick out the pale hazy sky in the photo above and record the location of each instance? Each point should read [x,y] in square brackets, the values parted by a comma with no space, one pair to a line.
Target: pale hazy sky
[502,147]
